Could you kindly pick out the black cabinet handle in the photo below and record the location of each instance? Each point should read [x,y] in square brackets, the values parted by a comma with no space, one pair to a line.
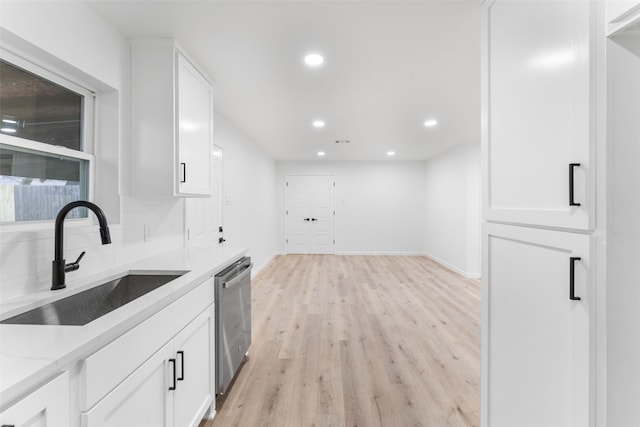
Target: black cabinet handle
[314,219]
[173,363]
[184,172]
[8,425]
[221,240]
[572,278]
[181,354]
[572,166]
[306,219]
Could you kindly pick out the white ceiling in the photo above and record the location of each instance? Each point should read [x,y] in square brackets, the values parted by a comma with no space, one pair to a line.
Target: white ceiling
[389,66]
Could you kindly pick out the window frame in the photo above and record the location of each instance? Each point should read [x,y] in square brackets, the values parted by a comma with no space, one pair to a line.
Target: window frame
[87,131]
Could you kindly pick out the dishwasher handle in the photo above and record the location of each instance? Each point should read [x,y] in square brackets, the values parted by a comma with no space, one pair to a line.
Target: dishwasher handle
[236,279]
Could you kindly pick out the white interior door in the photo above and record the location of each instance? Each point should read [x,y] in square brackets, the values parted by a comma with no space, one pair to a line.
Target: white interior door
[203,216]
[310,214]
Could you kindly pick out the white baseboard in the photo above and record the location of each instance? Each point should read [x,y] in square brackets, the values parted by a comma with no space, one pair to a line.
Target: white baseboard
[379,253]
[257,269]
[468,275]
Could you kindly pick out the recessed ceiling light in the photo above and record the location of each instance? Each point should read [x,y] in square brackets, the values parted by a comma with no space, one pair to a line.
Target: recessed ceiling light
[318,123]
[321,153]
[313,60]
[430,123]
[391,153]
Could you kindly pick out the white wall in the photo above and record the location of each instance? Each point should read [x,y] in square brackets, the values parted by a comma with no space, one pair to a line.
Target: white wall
[72,38]
[452,235]
[623,237]
[77,41]
[249,194]
[380,206]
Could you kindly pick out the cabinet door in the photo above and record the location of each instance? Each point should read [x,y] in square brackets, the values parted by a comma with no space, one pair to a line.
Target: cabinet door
[539,112]
[47,406]
[536,343]
[139,401]
[195,129]
[194,392]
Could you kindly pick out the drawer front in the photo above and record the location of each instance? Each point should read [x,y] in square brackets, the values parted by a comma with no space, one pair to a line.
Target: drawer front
[108,367]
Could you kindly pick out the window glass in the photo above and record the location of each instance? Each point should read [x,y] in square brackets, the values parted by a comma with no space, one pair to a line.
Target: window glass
[37,109]
[35,185]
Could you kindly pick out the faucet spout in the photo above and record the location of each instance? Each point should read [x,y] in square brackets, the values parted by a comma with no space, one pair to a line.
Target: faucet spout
[59,265]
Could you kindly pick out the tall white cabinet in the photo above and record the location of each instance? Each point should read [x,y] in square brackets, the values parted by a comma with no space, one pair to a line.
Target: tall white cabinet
[541,113]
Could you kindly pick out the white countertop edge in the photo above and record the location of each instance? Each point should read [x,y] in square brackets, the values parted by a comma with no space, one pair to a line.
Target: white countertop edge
[21,372]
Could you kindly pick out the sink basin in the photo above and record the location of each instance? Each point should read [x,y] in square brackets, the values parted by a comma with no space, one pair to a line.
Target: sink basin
[86,306]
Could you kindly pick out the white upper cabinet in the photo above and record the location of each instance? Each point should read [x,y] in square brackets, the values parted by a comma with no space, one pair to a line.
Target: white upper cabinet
[172,115]
[539,108]
[622,15]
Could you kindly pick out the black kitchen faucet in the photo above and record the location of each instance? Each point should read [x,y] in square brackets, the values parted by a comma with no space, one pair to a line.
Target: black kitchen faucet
[59,265]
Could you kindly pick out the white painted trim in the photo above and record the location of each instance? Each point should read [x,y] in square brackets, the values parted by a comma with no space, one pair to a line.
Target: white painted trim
[452,267]
[379,253]
[257,269]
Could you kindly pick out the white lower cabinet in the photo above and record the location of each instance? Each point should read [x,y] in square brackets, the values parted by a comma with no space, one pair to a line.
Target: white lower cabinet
[173,388]
[193,351]
[158,374]
[536,340]
[47,406]
[139,401]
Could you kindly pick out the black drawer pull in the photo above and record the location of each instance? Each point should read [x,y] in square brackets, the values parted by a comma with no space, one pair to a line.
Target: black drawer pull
[173,363]
[572,166]
[572,278]
[181,354]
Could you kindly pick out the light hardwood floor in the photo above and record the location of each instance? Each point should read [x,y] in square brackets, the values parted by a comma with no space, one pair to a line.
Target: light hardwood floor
[359,341]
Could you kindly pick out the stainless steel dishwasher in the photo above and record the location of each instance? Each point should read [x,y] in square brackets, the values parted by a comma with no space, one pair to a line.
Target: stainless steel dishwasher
[233,320]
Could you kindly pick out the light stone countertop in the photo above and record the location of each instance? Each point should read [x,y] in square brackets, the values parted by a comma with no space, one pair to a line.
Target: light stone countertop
[32,354]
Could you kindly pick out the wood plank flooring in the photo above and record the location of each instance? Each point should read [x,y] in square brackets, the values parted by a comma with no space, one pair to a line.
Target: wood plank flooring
[359,341]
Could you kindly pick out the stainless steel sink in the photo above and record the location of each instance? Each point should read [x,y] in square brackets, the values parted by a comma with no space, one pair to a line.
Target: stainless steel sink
[86,306]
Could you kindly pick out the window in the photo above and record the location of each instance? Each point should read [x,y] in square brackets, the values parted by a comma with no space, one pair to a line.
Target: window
[44,142]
